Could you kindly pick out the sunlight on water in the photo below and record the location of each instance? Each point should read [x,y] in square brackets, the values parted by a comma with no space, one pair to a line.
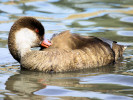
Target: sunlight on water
[127,19]
[125,33]
[110,19]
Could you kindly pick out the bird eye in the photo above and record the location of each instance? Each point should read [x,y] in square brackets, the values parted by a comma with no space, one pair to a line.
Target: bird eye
[36,30]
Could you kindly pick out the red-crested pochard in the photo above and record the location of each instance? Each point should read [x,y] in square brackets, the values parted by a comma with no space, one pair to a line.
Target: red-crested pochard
[68,52]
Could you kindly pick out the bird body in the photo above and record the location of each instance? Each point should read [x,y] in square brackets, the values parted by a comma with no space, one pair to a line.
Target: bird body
[68,52]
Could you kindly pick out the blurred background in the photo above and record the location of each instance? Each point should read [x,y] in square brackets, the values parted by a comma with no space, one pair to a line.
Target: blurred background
[112,19]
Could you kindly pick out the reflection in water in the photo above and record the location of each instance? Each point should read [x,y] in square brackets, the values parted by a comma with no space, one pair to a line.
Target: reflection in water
[111,19]
[29,84]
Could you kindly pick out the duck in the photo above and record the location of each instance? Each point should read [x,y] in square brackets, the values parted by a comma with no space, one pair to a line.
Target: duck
[65,51]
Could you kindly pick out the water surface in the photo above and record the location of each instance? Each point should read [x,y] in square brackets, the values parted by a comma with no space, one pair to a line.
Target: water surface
[112,19]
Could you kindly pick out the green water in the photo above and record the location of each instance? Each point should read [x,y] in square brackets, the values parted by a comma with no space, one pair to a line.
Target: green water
[112,19]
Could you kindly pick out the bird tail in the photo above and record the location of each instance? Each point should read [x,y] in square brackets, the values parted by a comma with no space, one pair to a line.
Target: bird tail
[118,50]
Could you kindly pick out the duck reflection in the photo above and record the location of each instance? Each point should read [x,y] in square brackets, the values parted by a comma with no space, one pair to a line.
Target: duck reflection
[25,84]
[39,85]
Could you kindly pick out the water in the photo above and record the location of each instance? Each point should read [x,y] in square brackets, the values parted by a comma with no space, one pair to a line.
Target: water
[110,19]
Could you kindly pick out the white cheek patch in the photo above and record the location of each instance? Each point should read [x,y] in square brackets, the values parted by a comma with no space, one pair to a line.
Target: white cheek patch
[25,38]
